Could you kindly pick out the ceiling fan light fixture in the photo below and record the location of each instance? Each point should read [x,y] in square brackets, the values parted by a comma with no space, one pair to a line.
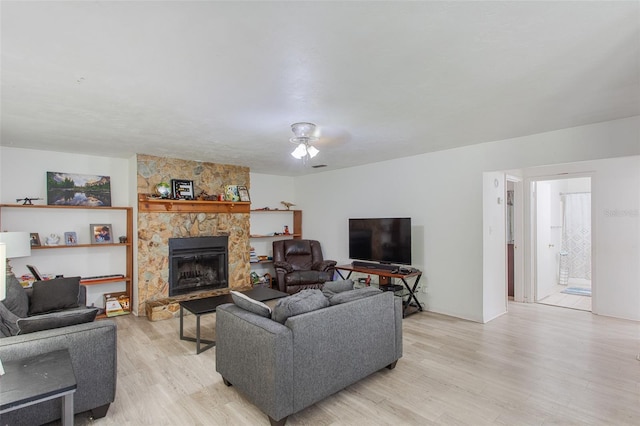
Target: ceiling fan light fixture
[304,134]
[312,151]
[299,152]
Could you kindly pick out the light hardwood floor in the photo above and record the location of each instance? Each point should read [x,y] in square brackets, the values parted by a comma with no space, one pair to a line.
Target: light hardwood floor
[536,365]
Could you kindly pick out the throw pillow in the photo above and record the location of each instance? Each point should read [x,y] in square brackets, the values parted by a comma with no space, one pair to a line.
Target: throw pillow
[333,287]
[16,300]
[299,303]
[249,304]
[348,296]
[56,320]
[8,322]
[54,295]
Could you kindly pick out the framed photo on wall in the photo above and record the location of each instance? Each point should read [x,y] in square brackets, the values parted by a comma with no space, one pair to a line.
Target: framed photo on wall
[101,233]
[243,193]
[182,189]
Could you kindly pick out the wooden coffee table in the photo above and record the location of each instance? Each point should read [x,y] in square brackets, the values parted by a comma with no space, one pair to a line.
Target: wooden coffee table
[208,305]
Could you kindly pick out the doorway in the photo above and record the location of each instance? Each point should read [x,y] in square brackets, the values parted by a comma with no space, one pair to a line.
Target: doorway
[562,242]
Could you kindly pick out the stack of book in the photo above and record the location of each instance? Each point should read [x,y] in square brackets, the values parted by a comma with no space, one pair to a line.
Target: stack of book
[253,257]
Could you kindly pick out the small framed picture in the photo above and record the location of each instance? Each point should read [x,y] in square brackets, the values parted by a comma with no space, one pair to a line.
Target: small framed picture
[243,192]
[182,189]
[70,238]
[101,233]
[231,193]
[35,239]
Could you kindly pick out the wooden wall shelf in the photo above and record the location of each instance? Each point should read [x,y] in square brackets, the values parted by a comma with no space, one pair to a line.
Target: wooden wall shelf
[157,205]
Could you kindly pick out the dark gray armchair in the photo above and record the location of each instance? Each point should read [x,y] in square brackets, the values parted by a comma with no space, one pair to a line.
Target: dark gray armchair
[299,265]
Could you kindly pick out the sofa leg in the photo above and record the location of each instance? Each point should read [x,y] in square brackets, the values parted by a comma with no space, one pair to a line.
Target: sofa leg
[226,382]
[280,422]
[99,412]
[392,365]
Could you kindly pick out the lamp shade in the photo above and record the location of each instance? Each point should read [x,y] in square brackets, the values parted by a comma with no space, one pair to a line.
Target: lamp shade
[18,244]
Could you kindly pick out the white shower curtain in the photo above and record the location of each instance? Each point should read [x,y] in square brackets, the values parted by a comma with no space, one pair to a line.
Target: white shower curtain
[576,234]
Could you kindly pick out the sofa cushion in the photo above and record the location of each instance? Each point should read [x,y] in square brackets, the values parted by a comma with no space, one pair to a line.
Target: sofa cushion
[299,303]
[348,296]
[333,287]
[249,304]
[54,295]
[56,320]
[16,299]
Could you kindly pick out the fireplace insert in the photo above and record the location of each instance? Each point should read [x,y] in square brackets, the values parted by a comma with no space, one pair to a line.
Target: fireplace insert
[198,264]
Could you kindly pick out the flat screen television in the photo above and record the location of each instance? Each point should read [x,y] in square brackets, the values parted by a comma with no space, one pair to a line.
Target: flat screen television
[384,240]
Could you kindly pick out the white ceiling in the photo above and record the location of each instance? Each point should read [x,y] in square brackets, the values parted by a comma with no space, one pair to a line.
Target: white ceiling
[223,81]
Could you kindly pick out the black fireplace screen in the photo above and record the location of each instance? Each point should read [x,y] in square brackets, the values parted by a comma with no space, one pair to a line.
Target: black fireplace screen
[197,263]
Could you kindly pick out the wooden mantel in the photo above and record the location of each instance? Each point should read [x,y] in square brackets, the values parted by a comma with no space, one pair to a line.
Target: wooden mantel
[160,205]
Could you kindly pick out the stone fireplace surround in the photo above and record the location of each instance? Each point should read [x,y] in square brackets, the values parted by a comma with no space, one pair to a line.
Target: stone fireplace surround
[155,229]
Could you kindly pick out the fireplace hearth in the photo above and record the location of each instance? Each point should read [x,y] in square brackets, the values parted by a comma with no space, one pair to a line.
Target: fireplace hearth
[198,264]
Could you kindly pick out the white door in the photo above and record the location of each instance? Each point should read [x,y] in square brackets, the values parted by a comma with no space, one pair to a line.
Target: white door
[545,245]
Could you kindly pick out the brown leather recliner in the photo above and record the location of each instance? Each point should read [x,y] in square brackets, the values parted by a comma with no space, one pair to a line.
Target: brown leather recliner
[299,265]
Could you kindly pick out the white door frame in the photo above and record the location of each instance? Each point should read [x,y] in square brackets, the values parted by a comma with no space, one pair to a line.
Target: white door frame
[530,220]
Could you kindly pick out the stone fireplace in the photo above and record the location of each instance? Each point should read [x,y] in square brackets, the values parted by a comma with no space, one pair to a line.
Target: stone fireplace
[156,228]
[197,264]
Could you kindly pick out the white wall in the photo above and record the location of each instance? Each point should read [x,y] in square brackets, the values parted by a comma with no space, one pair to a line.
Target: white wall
[441,191]
[23,174]
[269,191]
[443,194]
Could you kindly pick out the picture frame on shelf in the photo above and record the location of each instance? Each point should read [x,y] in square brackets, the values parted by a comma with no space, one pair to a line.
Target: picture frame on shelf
[35,239]
[243,193]
[101,233]
[231,193]
[70,239]
[182,189]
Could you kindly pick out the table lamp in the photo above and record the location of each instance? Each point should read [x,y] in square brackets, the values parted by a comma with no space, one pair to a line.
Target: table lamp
[17,244]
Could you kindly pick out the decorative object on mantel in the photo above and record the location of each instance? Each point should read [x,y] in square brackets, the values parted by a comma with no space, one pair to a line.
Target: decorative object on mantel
[287,204]
[163,189]
[231,193]
[243,193]
[182,189]
[72,189]
[204,196]
[26,201]
[304,135]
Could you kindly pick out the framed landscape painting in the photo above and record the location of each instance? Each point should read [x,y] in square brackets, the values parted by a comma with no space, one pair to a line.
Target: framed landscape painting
[72,189]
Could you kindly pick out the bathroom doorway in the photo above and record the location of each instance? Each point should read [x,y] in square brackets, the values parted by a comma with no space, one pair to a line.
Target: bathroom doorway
[563,242]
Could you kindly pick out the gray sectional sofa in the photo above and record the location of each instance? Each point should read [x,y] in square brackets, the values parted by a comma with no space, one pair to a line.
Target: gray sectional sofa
[285,364]
[91,345]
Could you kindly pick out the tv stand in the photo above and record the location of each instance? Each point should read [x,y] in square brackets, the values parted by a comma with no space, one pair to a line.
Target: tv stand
[411,305]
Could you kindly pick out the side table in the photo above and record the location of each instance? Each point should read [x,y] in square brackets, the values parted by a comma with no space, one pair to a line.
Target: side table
[36,379]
